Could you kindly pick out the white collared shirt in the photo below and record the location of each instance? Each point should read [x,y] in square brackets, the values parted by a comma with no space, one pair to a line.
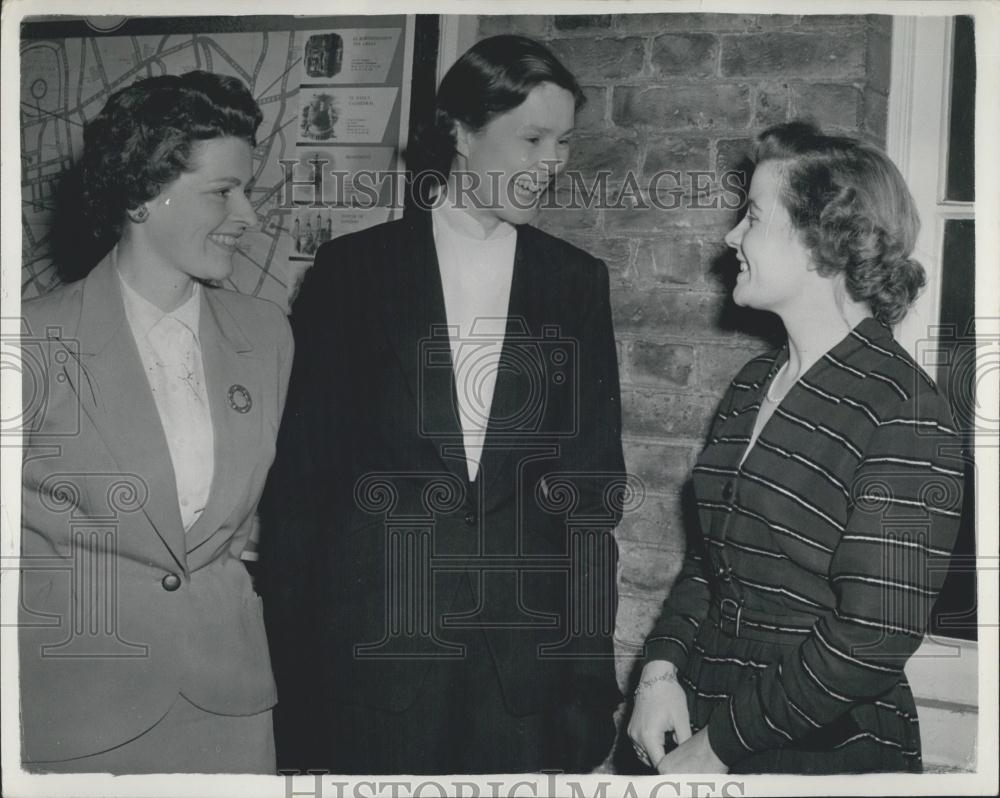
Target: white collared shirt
[476,272]
[171,357]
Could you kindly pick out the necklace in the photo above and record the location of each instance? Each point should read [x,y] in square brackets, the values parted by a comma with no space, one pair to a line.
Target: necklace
[770,387]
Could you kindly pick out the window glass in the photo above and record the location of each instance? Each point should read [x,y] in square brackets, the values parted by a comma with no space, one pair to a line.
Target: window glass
[960,186]
[955,612]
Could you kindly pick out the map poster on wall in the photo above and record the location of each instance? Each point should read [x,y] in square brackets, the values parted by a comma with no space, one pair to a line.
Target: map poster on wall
[358,74]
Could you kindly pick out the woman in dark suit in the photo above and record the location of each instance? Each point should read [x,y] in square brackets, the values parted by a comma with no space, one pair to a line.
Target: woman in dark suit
[150,424]
[825,493]
[436,542]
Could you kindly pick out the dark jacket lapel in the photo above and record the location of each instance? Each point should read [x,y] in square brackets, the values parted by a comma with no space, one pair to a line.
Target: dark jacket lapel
[518,397]
[416,324]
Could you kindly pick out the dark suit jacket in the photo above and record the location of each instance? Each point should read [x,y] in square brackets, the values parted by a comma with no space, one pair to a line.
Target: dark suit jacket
[121,610]
[377,553]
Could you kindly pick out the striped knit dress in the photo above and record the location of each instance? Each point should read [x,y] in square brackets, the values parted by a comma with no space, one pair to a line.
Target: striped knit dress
[818,563]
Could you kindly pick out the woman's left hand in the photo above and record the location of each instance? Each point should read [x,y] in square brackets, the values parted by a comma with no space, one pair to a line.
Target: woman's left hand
[694,755]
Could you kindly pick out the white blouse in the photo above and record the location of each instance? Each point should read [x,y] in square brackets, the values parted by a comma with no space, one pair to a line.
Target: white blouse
[476,272]
[171,357]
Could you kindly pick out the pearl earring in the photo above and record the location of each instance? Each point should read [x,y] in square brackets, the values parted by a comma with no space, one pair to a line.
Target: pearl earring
[138,215]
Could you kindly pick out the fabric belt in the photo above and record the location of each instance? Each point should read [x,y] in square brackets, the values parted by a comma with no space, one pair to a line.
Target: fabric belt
[735,620]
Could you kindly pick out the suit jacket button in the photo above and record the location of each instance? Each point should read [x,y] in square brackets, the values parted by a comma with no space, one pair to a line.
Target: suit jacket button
[171,582]
[470,519]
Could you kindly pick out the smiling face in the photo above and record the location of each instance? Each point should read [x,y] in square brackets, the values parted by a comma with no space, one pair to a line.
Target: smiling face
[195,222]
[776,268]
[515,156]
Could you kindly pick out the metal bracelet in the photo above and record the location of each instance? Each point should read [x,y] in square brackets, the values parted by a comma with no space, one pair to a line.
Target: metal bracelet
[669,676]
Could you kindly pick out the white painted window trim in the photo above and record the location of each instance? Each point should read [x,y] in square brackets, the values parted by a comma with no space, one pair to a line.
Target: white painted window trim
[916,139]
[456,34]
[943,672]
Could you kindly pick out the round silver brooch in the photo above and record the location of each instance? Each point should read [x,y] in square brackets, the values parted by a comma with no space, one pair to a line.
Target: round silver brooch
[239,399]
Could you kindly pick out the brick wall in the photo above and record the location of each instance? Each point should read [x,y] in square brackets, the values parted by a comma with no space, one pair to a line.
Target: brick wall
[688,92]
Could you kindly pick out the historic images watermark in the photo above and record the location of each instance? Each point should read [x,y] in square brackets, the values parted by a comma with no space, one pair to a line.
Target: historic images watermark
[665,190]
[317,784]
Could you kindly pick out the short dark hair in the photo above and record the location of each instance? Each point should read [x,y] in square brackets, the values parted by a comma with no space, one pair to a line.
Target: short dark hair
[492,77]
[853,210]
[141,140]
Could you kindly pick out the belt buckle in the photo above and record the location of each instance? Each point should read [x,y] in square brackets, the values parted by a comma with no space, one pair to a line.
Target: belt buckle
[739,612]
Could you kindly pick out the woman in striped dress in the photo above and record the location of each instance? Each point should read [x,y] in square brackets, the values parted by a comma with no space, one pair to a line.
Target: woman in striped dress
[828,493]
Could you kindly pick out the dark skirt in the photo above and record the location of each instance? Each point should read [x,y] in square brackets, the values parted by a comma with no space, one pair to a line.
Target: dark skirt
[882,736]
[460,724]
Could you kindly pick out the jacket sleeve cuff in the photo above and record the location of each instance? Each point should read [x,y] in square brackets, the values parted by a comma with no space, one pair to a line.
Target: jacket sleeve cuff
[666,647]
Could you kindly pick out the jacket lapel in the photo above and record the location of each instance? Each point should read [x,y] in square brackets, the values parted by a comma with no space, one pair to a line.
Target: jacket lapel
[117,399]
[233,384]
[518,398]
[416,324]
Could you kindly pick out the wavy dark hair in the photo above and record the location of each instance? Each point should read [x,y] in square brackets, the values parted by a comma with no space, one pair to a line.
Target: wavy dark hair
[142,138]
[853,210]
[492,77]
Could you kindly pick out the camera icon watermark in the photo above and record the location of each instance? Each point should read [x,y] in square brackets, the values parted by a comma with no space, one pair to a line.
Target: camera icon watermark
[965,363]
[74,590]
[538,372]
[43,359]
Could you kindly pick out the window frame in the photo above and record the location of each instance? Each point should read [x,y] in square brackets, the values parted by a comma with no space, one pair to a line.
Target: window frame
[917,134]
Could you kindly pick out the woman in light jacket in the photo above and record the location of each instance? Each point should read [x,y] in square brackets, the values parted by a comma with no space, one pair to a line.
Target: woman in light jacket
[152,399]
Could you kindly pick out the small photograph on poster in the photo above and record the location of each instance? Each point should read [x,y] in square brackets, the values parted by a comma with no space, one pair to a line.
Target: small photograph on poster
[324,55]
[360,55]
[319,117]
[310,230]
[345,115]
[342,175]
[313,227]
